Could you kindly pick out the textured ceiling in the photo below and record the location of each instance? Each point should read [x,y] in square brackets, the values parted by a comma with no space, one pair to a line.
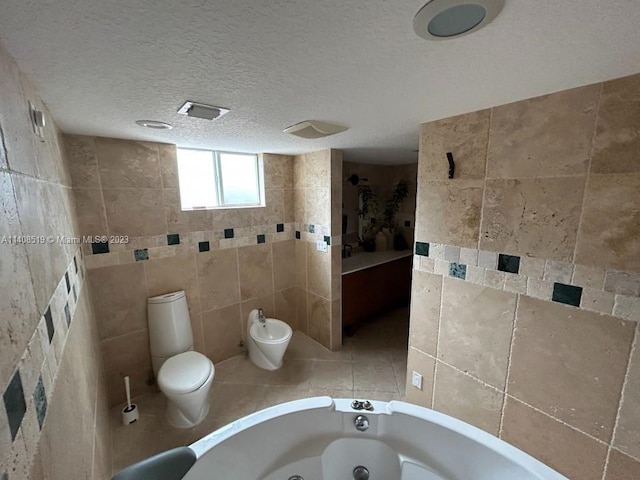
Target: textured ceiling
[100,65]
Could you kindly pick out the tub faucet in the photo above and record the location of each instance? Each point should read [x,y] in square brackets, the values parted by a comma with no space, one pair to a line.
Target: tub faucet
[261,317]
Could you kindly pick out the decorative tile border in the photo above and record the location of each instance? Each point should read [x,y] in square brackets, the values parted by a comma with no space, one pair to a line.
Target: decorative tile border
[26,397]
[613,292]
[138,249]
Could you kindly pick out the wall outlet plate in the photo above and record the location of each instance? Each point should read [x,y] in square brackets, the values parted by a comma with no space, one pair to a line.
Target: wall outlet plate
[322,246]
[416,380]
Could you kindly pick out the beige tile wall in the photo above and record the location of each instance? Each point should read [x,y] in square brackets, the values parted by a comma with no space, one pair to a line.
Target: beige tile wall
[553,180]
[37,200]
[130,188]
[318,189]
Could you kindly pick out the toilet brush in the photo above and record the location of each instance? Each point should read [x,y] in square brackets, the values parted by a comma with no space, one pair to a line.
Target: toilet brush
[129,413]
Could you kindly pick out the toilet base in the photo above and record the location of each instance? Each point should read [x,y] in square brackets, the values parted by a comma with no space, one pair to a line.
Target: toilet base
[178,419]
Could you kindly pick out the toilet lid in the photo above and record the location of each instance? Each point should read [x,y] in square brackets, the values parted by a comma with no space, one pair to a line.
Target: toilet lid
[184,373]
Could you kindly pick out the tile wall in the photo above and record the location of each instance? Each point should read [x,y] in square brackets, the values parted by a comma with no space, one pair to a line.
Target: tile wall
[526,279]
[53,420]
[318,216]
[228,261]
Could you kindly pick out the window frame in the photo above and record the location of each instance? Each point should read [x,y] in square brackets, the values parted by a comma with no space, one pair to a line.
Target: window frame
[219,187]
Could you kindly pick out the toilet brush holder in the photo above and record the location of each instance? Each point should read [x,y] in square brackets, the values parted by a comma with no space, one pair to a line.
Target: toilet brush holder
[130,413]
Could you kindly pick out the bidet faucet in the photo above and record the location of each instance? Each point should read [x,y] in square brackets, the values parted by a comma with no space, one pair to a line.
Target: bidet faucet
[261,317]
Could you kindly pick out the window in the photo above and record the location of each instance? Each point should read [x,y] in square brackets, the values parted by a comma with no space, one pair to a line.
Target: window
[212,179]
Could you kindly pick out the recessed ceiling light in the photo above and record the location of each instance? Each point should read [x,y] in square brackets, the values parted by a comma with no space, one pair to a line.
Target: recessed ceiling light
[154,124]
[444,19]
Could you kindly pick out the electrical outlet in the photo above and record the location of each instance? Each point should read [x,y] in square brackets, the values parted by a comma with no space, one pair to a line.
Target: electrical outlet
[416,380]
[322,246]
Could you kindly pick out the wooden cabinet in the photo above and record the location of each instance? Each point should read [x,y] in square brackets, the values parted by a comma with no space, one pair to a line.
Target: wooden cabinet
[369,292]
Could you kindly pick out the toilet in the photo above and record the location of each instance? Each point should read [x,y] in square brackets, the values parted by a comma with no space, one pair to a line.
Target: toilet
[184,376]
[267,341]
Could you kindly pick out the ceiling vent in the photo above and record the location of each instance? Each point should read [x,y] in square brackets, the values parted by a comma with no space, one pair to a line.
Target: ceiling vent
[314,129]
[200,110]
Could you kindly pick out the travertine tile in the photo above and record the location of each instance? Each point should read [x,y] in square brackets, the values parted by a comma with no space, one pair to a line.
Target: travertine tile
[222,332]
[539,288]
[475,275]
[465,136]
[286,305]
[330,374]
[278,170]
[218,278]
[627,434]
[570,363]
[426,290]
[129,355]
[90,212]
[515,283]
[319,318]
[452,212]
[616,144]
[128,163]
[545,136]
[255,265]
[610,228]
[622,467]
[284,265]
[14,117]
[494,279]
[301,307]
[532,217]
[469,256]
[42,207]
[134,212]
[120,296]
[190,221]
[597,301]
[441,267]
[588,277]
[487,259]
[20,314]
[425,366]
[623,283]
[467,399]
[564,449]
[171,274]
[80,153]
[452,253]
[532,267]
[374,376]
[626,307]
[168,165]
[555,271]
[319,272]
[475,330]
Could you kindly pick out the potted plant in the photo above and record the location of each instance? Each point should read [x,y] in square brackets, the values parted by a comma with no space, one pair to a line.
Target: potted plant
[379,216]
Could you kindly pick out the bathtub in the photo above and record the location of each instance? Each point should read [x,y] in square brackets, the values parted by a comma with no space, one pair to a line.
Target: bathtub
[317,438]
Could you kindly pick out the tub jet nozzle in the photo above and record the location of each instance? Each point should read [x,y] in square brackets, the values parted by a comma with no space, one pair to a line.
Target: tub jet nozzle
[360,473]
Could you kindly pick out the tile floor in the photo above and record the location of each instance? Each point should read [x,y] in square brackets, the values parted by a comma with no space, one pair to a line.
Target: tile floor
[371,365]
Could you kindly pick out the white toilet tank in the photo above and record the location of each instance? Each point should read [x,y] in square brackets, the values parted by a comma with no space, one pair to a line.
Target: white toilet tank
[169,327]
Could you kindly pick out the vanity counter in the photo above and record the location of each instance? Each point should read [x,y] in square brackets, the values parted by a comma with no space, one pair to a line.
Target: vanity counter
[362,260]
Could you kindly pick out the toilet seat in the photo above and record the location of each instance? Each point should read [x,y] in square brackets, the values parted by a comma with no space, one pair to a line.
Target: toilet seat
[185,373]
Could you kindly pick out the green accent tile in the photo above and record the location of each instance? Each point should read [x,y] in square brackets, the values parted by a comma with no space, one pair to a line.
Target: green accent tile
[567,294]
[422,249]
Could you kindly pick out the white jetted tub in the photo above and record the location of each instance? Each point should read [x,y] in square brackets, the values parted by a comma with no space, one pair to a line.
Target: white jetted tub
[338,439]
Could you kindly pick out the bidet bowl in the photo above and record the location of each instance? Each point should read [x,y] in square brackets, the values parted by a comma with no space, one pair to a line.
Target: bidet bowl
[272,332]
[267,342]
